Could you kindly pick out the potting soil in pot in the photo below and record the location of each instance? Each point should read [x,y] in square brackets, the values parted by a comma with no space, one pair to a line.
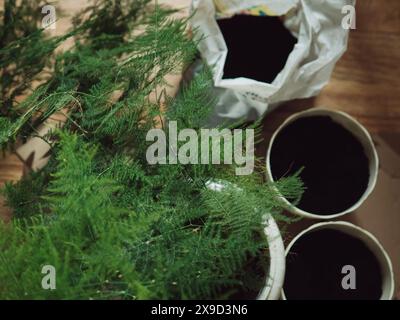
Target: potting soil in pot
[314,268]
[258,46]
[335,167]
[251,279]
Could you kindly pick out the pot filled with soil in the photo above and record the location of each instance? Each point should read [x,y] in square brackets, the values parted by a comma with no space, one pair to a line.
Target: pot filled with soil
[263,275]
[334,156]
[337,261]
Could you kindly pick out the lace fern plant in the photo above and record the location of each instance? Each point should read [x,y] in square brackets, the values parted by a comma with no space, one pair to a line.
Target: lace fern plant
[113,226]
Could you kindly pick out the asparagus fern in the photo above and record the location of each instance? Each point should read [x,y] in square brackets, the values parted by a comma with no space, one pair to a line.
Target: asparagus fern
[113,226]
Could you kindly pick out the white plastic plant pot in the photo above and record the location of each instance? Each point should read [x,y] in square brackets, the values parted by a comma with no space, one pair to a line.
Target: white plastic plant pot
[356,132]
[382,260]
[276,274]
[306,66]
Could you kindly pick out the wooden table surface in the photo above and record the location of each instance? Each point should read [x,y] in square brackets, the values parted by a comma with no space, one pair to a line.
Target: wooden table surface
[365,84]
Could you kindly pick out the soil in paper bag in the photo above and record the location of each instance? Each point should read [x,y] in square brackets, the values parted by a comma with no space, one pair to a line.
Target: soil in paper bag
[258,46]
[314,268]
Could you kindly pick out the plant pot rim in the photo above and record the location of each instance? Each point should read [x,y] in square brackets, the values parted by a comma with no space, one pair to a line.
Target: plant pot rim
[363,235]
[366,139]
[277,259]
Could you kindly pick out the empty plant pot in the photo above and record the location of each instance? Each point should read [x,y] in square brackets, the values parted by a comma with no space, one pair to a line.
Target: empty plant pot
[271,289]
[337,261]
[334,156]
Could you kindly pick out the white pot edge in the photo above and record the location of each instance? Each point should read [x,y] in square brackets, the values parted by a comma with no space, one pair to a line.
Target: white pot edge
[277,266]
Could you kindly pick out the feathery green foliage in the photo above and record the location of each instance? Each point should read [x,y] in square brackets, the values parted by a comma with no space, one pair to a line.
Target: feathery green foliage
[112,225]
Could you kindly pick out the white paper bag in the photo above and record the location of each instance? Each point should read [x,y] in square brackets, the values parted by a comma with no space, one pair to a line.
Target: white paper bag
[321,42]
